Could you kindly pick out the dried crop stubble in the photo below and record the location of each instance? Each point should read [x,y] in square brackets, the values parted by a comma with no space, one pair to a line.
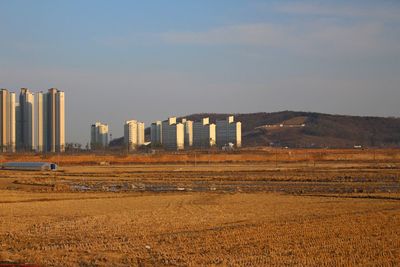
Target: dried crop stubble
[200,229]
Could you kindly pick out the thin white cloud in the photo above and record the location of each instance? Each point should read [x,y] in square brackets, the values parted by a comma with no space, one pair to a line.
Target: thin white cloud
[342,29]
[317,37]
[250,34]
[380,12]
[367,33]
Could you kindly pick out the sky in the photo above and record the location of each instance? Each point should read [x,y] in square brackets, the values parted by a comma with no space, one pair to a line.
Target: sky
[147,60]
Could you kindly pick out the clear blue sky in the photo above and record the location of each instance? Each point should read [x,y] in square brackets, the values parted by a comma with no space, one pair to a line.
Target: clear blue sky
[146,60]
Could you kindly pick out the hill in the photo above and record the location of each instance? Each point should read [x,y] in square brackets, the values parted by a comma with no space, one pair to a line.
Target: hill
[310,129]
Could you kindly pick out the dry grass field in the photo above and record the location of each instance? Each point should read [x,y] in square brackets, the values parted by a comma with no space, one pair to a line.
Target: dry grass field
[252,155]
[261,213]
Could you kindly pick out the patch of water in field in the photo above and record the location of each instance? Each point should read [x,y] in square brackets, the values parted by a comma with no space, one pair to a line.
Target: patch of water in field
[255,186]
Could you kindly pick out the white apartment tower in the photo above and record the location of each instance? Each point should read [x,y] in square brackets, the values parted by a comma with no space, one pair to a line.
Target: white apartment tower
[188,126]
[18,125]
[133,134]
[229,131]
[98,136]
[156,133]
[33,123]
[7,121]
[204,134]
[53,121]
[39,122]
[173,134]
[26,121]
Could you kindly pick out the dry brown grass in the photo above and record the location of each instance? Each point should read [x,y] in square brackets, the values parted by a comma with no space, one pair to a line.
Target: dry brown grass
[344,213]
[246,155]
[198,229]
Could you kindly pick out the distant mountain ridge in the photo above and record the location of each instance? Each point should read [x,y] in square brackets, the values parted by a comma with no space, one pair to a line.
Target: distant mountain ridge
[299,129]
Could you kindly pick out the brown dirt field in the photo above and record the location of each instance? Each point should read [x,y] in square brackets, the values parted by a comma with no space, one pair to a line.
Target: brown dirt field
[281,213]
[243,156]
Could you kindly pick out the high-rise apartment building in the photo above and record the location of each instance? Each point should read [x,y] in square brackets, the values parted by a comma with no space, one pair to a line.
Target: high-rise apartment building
[35,123]
[229,131]
[54,121]
[98,136]
[204,134]
[133,134]
[18,125]
[188,126]
[7,121]
[140,133]
[173,134]
[25,117]
[156,133]
[39,121]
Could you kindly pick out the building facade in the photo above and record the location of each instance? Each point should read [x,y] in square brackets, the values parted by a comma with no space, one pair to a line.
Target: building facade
[98,136]
[188,128]
[133,134]
[54,121]
[140,133]
[156,134]
[18,124]
[229,131]
[25,114]
[39,122]
[173,134]
[204,134]
[7,121]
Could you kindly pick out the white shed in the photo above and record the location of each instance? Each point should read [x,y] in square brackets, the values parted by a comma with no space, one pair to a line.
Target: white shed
[29,166]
